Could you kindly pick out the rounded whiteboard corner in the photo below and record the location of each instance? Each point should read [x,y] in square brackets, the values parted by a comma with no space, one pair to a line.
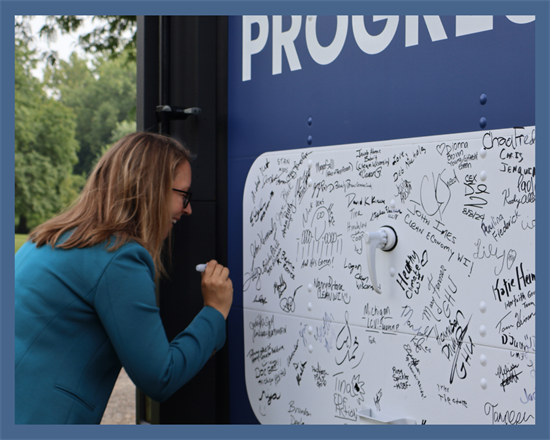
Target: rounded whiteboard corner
[253,167]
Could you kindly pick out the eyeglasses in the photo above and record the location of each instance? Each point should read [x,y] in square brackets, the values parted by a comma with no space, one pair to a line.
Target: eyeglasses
[186,196]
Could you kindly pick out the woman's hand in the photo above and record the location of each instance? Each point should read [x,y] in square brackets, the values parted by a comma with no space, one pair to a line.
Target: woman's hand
[217,288]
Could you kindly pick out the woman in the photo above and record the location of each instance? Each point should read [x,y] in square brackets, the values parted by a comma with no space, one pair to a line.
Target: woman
[85,290]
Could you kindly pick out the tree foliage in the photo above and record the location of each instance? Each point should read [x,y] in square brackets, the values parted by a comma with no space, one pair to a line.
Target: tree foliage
[65,122]
[101,97]
[45,146]
[114,34]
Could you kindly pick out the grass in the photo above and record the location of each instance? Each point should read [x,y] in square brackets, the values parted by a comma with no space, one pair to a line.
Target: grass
[20,239]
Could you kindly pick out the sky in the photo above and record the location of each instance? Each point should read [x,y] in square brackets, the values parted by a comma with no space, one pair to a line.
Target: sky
[64,45]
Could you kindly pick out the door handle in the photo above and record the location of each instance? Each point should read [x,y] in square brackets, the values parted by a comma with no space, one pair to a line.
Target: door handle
[385,239]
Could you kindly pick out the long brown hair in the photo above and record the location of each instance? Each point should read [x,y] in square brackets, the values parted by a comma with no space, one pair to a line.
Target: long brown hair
[127,196]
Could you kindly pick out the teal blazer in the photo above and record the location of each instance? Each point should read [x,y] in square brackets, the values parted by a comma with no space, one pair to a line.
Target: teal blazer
[80,315]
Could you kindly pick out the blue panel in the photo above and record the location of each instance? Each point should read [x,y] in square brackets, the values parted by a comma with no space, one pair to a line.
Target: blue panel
[428,88]
[239,408]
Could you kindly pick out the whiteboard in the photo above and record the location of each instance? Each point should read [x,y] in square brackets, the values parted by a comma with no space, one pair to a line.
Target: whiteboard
[451,337]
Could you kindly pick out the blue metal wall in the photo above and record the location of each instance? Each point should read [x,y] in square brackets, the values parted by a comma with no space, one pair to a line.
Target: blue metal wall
[405,90]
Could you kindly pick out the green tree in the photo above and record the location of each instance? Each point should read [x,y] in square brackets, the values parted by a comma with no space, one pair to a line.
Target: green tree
[122,129]
[45,146]
[114,34]
[101,97]
[77,109]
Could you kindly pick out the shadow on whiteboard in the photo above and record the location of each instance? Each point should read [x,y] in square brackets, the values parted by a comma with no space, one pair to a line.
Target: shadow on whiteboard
[367,417]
